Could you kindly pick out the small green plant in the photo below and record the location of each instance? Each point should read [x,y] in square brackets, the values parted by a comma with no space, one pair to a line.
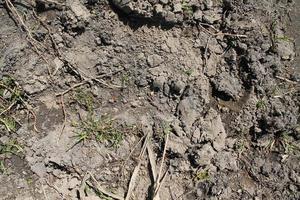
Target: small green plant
[2,167]
[240,146]
[12,147]
[81,137]
[283,38]
[163,130]
[100,129]
[11,95]
[202,175]
[261,104]
[9,123]
[287,142]
[273,25]
[29,181]
[85,99]
[186,8]
[125,79]
[188,72]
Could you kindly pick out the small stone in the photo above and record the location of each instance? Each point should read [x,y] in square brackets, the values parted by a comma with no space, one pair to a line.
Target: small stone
[73,183]
[158,9]
[98,41]
[154,60]
[164,1]
[196,136]
[208,4]
[135,104]
[158,84]
[177,87]
[79,9]
[242,46]
[229,85]
[177,129]
[166,89]
[170,17]
[198,15]
[176,146]
[6,94]
[226,160]
[105,38]
[58,63]
[177,8]
[141,82]
[4,139]
[205,154]
[58,38]
[211,66]
[210,17]
[285,50]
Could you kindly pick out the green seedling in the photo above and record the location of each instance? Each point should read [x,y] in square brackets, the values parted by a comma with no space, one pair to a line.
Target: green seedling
[188,72]
[9,123]
[164,130]
[240,146]
[125,80]
[186,8]
[2,167]
[11,95]
[29,181]
[261,104]
[283,38]
[85,99]
[81,137]
[273,25]
[11,147]
[202,175]
[287,142]
[8,82]
[99,129]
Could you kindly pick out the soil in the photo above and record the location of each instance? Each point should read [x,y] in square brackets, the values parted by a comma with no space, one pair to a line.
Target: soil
[210,88]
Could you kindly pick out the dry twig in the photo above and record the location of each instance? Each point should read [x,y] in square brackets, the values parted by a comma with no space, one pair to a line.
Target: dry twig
[101,189]
[159,180]
[136,170]
[65,117]
[23,26]
[287,80]
[88,81]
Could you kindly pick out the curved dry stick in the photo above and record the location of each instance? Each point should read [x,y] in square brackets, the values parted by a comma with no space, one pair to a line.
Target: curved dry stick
[65,116]
[30,38]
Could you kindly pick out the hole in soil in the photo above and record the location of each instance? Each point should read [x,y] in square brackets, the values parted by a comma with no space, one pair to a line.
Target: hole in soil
[245,73]
[40,7]
[220,94]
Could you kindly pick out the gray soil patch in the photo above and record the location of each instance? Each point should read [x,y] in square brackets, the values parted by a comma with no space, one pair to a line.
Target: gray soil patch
[202,96]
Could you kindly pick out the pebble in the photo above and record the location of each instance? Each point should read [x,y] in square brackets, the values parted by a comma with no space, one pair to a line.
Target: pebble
[154,60]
